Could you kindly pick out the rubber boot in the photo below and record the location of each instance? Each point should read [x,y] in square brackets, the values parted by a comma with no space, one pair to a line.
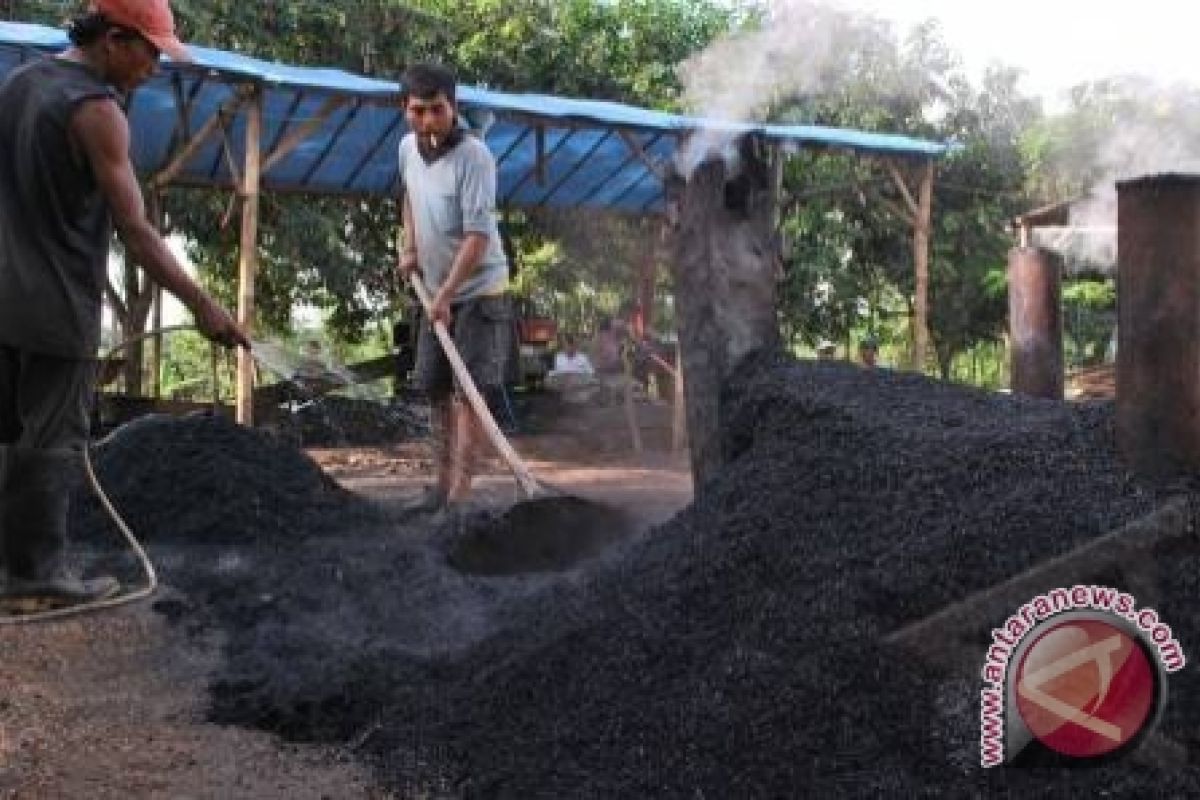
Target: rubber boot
[35,498]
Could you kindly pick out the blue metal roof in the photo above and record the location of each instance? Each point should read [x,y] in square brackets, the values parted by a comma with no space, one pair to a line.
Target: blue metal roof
[586,158]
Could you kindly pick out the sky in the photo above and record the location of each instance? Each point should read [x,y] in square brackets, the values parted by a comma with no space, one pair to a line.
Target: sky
[1059,43]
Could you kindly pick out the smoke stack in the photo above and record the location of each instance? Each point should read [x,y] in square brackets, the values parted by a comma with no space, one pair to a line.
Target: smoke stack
[1158,317]
[1035,322]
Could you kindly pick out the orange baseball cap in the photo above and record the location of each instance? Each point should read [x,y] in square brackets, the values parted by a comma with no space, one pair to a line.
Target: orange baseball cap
[151,18]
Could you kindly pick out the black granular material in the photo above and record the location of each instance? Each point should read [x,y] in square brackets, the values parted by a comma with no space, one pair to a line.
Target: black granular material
[334,420]
[545,534]
[735,651]
[206,480]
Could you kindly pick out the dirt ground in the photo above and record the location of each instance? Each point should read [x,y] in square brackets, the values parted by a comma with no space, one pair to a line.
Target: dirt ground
[113,705]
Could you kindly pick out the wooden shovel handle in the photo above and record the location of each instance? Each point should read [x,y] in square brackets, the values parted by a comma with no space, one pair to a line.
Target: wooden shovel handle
[521,472]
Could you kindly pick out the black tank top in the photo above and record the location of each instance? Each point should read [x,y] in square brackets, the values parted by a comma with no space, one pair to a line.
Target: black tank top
[55,226]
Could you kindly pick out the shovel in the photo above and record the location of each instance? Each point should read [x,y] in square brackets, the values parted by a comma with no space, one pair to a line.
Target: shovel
[547,514]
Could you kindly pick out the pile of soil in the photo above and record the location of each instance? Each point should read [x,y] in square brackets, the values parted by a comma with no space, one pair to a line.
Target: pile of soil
[734,651]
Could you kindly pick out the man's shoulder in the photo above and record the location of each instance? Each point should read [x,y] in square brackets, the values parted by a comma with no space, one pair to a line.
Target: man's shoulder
[473,148]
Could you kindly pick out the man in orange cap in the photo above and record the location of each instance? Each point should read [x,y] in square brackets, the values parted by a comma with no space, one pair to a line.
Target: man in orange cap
[65,182]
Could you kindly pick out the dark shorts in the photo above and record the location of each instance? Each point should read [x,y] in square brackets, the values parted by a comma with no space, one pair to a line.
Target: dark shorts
[45,401]
[482,331]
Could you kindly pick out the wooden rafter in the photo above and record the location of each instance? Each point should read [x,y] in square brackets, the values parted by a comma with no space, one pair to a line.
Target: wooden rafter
[193,145]
[302,132]
[640,153]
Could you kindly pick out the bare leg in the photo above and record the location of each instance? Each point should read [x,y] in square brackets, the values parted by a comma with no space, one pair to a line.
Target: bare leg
[466,450]
[444,425]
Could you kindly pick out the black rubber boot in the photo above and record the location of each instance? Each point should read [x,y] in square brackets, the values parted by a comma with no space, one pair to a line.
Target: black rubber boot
[35,496]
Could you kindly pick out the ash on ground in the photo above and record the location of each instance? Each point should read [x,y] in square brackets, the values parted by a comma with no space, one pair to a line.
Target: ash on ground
[735,651]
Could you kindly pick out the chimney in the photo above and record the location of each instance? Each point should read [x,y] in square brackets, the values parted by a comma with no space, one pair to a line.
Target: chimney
[1035,322]
[1158,318]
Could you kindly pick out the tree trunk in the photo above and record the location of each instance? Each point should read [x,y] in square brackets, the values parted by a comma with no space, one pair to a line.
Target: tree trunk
[139,297]
[725,285]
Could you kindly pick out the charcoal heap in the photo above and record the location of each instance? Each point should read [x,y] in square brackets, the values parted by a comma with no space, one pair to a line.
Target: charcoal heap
[204,479]
[333,420]
[733,652]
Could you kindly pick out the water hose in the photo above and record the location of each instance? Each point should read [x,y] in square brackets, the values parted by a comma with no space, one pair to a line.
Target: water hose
[151,584]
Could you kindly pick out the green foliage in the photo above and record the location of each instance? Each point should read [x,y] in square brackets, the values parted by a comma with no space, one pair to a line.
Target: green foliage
[1089,319]
[850,271]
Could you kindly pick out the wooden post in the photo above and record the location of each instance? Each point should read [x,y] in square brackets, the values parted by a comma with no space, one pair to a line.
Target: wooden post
[645,290]
[635,431]
[248,263]
[678,406]
[156,351]
[921,231]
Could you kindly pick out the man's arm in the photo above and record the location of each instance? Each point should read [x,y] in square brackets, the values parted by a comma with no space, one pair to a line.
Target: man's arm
[408,261]
[102,131]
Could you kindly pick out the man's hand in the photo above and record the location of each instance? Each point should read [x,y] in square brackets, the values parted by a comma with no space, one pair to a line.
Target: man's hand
[439,309]
[408,264]
[217,325]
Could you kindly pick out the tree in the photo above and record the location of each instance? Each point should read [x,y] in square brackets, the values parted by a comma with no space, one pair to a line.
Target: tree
[981,191]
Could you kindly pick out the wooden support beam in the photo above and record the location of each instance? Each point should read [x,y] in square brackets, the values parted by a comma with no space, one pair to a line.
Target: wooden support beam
[921,231]
[157,216]
[894,208]
[901,184]
[607,179]
[635,147]
[678,405]
[210,126]
[938,636]
[119,309]
[248,262]
[302,132]
[544,157]
[540,155]
[227,151]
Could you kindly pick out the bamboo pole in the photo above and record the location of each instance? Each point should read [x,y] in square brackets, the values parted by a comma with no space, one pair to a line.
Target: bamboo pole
[248,262]
[156,345]
[921,232]
[679,408]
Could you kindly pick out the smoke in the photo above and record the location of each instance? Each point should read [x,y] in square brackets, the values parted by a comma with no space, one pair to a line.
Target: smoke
[799,53]
[1119,129]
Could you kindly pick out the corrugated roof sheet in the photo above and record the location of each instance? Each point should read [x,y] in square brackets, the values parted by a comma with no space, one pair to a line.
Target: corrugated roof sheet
[586,158]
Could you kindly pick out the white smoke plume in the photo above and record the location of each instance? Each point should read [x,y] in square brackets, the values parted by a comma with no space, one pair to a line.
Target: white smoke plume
[1154,130]
[802,50]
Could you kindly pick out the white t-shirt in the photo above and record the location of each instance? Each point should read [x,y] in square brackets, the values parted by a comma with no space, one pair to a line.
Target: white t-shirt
[577,364]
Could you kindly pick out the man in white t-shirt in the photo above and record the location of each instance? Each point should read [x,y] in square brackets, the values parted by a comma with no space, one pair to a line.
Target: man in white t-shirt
[573,374]
[569,361]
